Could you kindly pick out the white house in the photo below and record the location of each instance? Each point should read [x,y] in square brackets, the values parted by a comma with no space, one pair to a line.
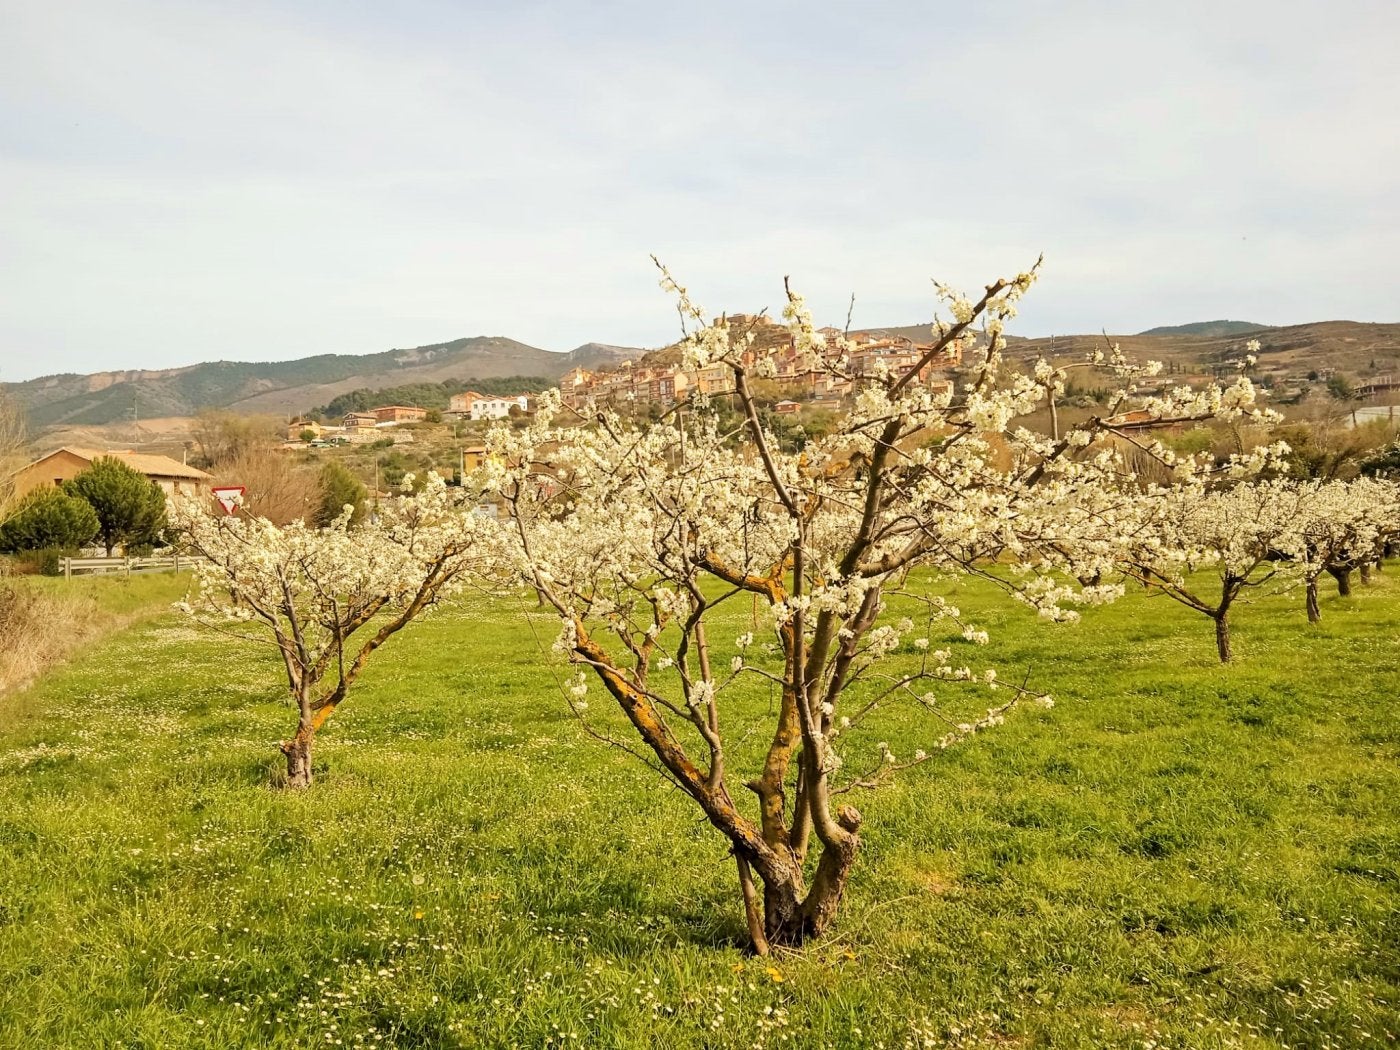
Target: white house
[497,407]
[461,404]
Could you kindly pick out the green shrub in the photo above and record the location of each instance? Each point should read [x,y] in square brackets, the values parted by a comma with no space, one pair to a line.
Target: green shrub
[49,518]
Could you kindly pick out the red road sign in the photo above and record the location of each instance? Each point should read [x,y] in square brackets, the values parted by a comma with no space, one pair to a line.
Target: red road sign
[229,497]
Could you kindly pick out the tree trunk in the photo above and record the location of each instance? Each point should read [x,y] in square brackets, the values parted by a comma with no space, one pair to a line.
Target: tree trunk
[1343,578]
[1314,613]
[1365,569]
[829,883]
[298,752]
[791,917]
[1222,636]
[753,914]
[782,910]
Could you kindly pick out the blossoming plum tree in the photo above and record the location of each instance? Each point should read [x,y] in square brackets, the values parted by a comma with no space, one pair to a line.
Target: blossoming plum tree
[1245,535]
[1343,525]
[1252,532]
[328,598]
[639,535]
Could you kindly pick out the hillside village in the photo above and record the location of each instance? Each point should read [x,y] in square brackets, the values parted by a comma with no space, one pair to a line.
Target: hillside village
[797,382]
[658,379]
[358,428]
[830,379]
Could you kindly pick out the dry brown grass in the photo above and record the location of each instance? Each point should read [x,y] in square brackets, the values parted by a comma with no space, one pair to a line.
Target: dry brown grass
[45,622]
[38,630]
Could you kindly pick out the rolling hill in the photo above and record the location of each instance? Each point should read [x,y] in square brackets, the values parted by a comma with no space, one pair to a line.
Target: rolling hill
[283,387]
[1208,328]
[1360,349]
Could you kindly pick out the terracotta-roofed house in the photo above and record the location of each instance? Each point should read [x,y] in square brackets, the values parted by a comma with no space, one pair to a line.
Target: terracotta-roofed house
[57,467]
[297,427]
[400,414]
[1138,420]
[360,421]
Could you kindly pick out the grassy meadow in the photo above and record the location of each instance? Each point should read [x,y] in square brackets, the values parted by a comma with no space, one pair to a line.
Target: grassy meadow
[1176,855]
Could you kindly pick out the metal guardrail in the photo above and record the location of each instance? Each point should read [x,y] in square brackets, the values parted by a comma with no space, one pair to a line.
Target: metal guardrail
[99,566]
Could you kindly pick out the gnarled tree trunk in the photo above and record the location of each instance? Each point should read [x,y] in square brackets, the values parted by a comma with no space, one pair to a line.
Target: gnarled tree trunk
[1342,574]
[298,752]
[1314,613]
[1365,571]
[1222,635]
[792,912]
[298,749]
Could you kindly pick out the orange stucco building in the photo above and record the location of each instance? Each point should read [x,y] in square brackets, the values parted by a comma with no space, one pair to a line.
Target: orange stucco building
[57,467]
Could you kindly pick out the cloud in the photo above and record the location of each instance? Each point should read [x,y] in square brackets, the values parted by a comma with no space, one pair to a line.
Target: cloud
[194,181]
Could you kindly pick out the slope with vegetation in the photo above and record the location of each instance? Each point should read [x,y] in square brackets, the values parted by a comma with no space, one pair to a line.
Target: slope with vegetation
[280,387]
[1348,346]
[426,395]
[1362,350]
[44,622]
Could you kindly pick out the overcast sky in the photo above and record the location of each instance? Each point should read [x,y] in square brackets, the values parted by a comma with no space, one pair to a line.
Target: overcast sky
[185,181]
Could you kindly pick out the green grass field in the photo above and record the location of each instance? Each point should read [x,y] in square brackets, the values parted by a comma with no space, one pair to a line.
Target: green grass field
[1177,855]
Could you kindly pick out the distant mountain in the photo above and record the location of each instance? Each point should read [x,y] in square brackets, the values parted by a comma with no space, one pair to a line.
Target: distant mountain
[1215,329]
[283,387]
[599,355]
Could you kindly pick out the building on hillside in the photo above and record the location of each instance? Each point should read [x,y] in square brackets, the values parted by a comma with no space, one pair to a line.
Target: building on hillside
[400,414]
[576,387]
[831,371]
[473,456]
[787,408]
[298,427]
[827,386]
[356,421]
[498,407]
[575,377]
[940,387]
[461,404]
[714,379]
[664,385]
[57,467]
[1138,421]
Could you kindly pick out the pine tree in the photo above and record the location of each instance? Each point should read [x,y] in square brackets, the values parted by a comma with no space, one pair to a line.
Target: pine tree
[130,506]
